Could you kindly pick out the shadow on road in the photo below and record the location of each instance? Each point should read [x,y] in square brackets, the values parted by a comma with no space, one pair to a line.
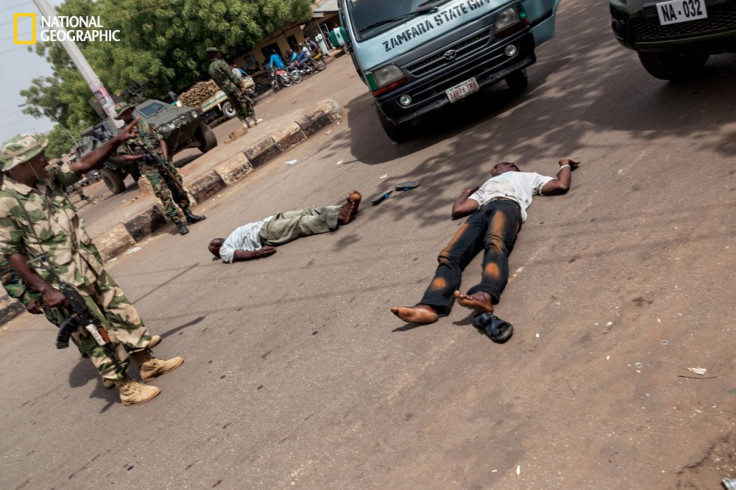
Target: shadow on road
[83,373]
[559,115]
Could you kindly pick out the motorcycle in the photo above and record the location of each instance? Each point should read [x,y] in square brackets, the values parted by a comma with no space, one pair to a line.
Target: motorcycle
[279,77]
[316,62]
[297,71]
[93,176]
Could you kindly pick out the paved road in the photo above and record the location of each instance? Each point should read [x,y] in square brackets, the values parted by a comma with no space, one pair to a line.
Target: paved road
[275,110]
[297,375]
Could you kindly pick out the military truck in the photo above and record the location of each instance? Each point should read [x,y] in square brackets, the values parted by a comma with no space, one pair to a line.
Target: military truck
[181,127]
[216,104]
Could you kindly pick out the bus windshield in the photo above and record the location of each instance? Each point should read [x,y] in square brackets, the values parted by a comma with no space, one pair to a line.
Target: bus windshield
[370,17]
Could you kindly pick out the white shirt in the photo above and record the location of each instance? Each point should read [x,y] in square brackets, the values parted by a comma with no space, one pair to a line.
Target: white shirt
[243,238]
[518,186]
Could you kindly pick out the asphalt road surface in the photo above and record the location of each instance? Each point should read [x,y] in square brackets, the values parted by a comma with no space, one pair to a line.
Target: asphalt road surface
[298,376]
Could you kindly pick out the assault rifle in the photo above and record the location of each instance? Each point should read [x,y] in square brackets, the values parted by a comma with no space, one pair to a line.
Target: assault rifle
[151,157]
[81,316]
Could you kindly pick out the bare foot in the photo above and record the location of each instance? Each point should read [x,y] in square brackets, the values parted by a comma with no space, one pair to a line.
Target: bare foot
[350,208]
[415,314]
[480,301]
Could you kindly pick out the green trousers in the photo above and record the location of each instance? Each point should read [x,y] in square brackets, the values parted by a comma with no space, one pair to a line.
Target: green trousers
[288,226]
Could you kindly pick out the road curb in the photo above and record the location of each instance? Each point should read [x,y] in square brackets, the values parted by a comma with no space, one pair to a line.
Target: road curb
[123,236]
[306,124]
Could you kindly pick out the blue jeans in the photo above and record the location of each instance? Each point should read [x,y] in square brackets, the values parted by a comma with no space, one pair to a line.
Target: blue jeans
[493,227]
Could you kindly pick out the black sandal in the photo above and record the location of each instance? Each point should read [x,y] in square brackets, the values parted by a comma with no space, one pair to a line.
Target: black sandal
[406,186]
[498,330]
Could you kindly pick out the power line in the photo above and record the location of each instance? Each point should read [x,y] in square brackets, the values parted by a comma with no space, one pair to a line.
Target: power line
[13,49]
[16,35]
[13,6]
[7,109]
[12,123]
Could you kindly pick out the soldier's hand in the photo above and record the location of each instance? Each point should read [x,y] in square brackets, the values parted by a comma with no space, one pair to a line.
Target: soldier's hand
[34,307]
[129,131]
[53,298]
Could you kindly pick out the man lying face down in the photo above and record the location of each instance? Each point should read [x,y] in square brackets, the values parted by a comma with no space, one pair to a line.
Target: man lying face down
[259,239]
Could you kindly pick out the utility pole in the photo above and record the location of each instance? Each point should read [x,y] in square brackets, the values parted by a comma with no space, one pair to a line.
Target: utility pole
[99,90]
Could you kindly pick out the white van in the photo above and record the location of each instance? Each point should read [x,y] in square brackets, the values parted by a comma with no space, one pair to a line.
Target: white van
[418,55]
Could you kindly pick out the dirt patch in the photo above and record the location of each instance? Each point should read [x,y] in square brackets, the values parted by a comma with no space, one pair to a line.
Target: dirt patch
[717,463]
[236,134]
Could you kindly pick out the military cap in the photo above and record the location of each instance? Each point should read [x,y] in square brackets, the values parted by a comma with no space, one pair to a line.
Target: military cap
[20,149]
[121,107]
[212,50]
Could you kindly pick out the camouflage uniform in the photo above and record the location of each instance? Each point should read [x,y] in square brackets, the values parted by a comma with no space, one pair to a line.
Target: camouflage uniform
[17,289]
[164,178]
[42,221]
[231,86]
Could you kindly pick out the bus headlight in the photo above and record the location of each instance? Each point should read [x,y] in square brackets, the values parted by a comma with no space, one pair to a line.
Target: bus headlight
[384,79]
[507,18]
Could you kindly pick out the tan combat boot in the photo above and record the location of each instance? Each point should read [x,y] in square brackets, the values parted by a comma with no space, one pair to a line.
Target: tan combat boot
[155,340]
[150,367]
[133,392]
[108,384]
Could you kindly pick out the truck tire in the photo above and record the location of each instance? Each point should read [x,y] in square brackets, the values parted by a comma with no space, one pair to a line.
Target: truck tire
[135,173]
[673,66]
[517,81]
[112,180]
[228,110]
[398,133]
[205,137]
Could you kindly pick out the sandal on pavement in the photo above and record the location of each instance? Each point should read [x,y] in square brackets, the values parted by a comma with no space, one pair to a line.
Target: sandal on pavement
[406,186]
[498,330]
[380,198]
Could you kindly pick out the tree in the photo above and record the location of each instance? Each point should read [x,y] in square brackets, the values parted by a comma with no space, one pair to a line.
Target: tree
[59,142]
[162,47]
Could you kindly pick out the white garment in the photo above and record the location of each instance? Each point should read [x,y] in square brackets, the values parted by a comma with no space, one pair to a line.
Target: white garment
[518,186]
[322,44]
[243,238]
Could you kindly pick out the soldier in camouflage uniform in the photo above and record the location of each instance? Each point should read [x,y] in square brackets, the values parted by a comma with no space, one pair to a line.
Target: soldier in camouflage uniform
[232,86]
[150,151]
[31,300]
[33,303]
[38,223]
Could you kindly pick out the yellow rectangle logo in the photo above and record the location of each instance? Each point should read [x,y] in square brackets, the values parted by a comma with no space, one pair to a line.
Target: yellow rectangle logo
[15,29]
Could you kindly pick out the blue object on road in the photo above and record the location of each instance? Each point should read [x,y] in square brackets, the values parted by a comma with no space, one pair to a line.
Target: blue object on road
[406,186]
[380,198]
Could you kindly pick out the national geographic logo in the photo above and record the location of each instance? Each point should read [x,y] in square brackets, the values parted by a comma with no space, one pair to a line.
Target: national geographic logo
[75,28]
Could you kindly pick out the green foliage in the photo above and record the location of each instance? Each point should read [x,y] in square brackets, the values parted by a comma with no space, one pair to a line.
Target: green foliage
[59,142]
[161,47]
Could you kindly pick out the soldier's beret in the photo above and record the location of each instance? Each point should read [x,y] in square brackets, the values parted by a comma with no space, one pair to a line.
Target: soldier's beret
[20,149]
[212,50]
[121,107]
